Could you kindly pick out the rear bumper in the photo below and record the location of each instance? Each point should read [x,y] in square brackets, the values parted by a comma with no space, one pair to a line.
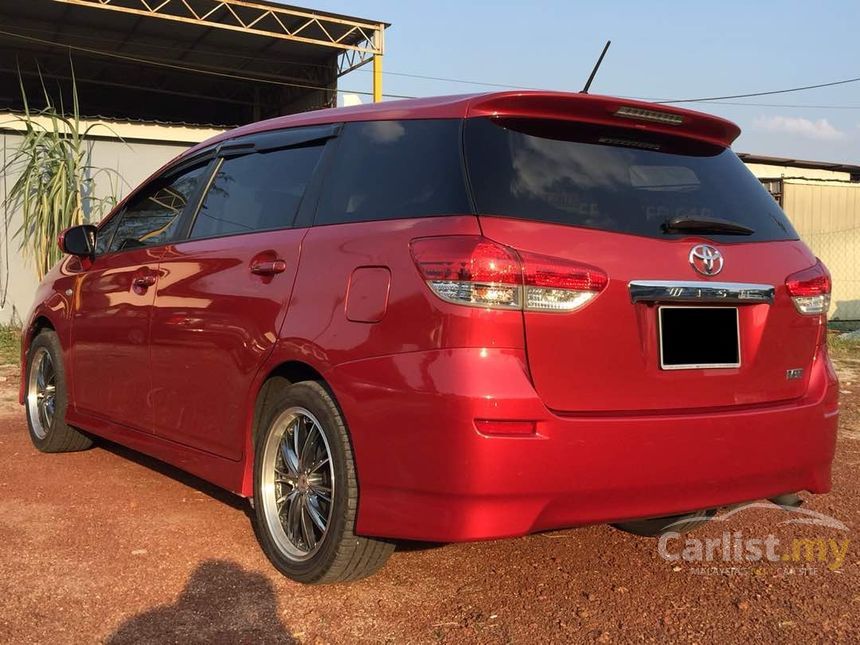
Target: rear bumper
[426,473]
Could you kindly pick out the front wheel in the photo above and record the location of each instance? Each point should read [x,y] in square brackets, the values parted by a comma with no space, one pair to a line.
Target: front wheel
[47,398]
[305,490]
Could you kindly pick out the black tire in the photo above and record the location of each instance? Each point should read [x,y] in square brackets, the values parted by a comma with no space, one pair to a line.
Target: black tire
[50,435]
[657,526]
[340,555]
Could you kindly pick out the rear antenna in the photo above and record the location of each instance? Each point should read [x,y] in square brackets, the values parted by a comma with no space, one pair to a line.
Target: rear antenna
[596,67]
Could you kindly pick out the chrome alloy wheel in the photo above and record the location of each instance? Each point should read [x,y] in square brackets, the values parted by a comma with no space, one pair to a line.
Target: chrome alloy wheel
[297,483]
[42,392]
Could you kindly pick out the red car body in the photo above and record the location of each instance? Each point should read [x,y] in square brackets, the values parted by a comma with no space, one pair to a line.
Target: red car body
[467,422]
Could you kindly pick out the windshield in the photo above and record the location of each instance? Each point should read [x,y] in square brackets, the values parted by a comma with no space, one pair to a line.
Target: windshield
[622,180]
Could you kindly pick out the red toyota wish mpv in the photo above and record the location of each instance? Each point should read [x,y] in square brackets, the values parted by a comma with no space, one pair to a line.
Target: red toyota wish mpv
[447,319]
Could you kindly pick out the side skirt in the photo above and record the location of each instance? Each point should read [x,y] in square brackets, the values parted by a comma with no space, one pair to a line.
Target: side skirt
[216,470]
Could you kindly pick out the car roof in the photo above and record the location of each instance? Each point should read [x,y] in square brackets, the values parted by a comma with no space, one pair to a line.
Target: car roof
[585,108]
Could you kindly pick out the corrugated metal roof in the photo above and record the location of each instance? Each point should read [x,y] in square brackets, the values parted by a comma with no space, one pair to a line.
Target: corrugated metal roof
[799,163]
[157,69]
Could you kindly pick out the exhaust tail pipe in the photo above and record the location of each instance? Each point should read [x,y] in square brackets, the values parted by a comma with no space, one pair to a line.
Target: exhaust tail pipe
[791,500]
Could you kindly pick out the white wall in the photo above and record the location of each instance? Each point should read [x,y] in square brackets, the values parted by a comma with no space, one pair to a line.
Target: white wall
[132,161]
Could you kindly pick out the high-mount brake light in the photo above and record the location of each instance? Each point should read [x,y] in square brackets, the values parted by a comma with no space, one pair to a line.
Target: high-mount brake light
[810,289]
[630,112]
[629,143]
[472,270]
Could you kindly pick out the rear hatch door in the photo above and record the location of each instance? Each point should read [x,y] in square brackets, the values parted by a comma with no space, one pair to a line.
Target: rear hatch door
[603,196]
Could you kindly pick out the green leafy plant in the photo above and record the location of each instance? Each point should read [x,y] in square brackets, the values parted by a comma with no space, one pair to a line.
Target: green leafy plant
[10,344]
[56,181]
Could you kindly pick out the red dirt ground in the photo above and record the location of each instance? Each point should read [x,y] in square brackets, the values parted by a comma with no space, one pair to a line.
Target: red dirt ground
[106,545]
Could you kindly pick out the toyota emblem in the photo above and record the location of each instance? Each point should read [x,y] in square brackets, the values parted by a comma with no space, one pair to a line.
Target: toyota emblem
[706,259]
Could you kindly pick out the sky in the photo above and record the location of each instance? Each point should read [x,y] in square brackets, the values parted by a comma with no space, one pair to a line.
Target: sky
[660,50]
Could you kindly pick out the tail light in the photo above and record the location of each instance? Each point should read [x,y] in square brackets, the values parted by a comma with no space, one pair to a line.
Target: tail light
[810,289]
[472,270]
[559,285]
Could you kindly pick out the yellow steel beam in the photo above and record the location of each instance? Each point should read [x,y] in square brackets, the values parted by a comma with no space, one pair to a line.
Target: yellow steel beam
[371,33]
[377,63]
[377,78]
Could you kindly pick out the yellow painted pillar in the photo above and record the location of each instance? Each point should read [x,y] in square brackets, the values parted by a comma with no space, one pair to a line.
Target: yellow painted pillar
[377,78]
[379,43]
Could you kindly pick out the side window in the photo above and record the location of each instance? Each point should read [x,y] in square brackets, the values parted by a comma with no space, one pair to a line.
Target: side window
[395,169]
[105,234]
[256,192]
[152,217]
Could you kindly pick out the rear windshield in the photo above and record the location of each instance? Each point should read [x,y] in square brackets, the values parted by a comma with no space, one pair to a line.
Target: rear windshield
[622,180]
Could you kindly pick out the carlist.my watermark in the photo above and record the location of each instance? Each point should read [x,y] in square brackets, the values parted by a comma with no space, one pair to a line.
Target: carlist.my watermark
[736,552]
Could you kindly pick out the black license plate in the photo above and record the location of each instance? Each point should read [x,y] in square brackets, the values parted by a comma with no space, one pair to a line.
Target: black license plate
[699,337]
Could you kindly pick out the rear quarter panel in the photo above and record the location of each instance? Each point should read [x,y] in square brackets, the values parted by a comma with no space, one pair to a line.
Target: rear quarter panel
[318,330]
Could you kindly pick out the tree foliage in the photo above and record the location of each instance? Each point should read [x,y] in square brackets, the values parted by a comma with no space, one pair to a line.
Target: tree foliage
[56,181]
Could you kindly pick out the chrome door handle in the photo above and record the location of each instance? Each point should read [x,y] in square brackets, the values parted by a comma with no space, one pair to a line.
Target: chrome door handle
[268,267]
[143,281]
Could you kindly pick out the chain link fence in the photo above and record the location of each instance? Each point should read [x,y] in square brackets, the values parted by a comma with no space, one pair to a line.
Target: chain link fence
[827,216]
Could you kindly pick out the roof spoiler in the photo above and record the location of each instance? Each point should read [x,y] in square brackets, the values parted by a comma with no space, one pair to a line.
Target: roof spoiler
[610,111]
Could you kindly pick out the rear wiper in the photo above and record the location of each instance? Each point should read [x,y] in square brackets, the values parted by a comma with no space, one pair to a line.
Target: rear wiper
[684,224]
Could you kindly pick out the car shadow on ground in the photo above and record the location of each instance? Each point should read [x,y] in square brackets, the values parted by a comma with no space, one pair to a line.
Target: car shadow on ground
[408,546]
[219,494]
[216,493]
[221,603]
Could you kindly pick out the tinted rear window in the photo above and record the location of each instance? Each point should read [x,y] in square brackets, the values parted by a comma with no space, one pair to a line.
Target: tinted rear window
[256,192]
[616,180]
[395,169]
